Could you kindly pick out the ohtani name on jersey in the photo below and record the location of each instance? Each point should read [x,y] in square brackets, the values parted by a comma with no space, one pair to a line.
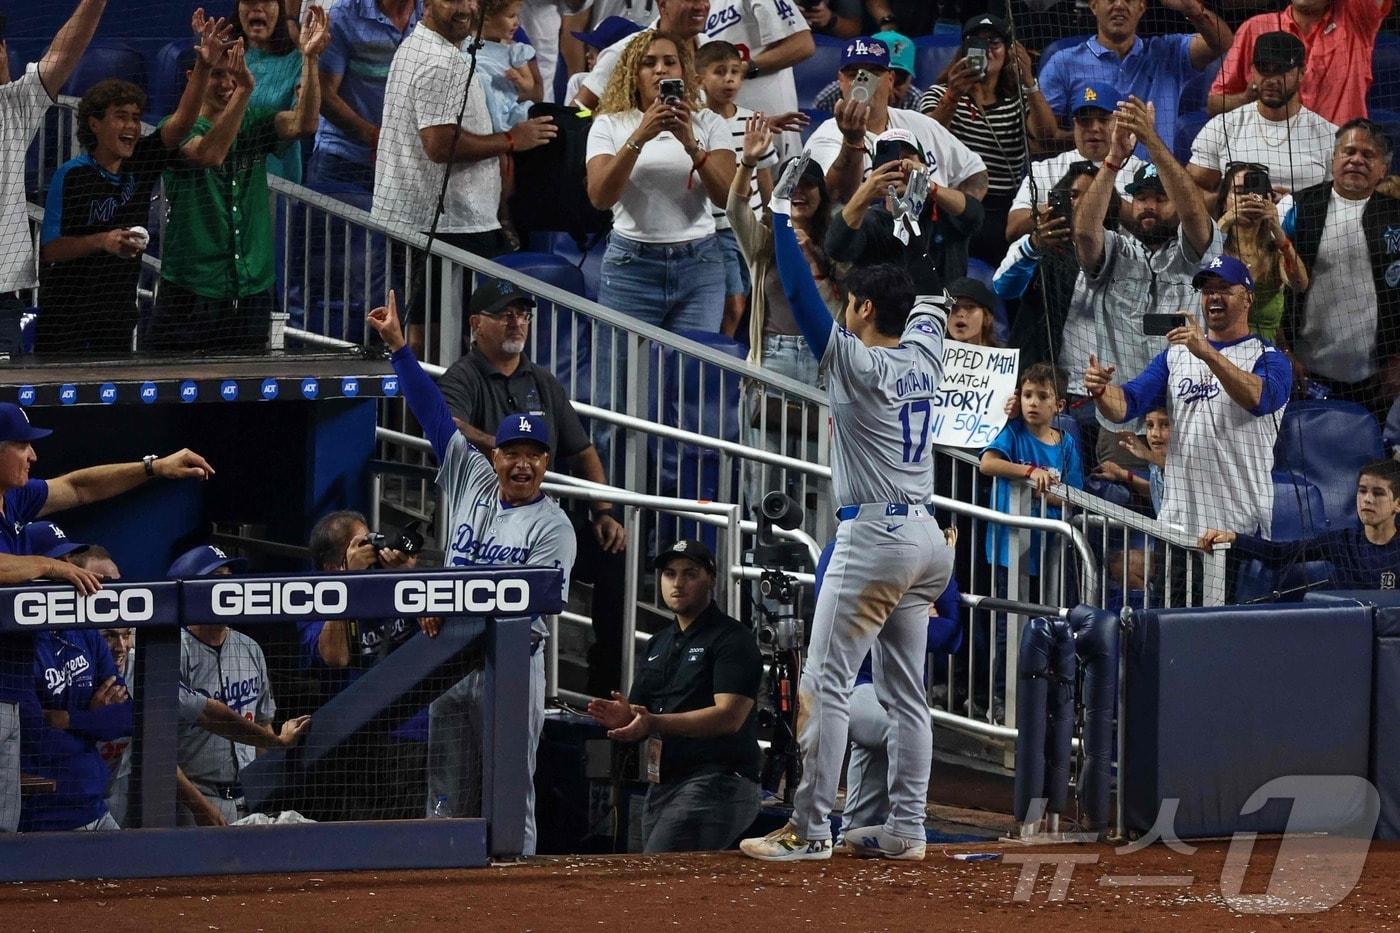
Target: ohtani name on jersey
[68,608]
[461,596]
[298,597]
[486,551]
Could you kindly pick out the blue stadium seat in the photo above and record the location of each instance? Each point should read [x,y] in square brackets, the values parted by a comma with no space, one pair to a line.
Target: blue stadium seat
[1299,514]
[310,302]
[589,263]
[815,119]
[816,72]
[1195,91]
[983,272]
[107,58]
[691,472]
[1327,442]
[932,54]
[560,342]
[1068,42]
[1188,127]
[1385,68]
[167,80]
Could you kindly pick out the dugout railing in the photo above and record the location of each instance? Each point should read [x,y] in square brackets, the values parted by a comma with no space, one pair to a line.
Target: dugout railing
[698,423]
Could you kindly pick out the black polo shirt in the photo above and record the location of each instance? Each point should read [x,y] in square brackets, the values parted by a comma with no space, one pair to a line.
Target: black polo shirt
[481,395]
[682,672]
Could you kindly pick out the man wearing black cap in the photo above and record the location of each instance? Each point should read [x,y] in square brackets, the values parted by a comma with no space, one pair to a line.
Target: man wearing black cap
[692,707]
[496,379]
[1222,388]
[1127,276]
[22,500]
[1277,131]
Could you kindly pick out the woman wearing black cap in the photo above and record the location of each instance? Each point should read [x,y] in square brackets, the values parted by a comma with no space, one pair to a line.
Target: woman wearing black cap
[986,107]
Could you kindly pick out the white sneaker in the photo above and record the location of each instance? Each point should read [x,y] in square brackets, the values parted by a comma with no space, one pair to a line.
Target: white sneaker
[876,841]
[784,845]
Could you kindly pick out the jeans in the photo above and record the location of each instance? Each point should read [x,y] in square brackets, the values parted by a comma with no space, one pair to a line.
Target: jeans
[327,169]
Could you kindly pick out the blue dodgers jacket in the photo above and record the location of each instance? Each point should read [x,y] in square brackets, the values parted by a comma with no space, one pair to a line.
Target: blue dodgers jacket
[67,667]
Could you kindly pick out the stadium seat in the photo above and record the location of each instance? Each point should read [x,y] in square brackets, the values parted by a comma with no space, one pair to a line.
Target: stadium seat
[1390,434]
[107,58]
[1299,514]
[167,79]
[560,344]
[1187,128]
[1385,67]
[589,263]
[1327,442]
[815,118]
[932,54]
[1068,42]
[312,302]
[983,272]
[1195,91]
[816,72]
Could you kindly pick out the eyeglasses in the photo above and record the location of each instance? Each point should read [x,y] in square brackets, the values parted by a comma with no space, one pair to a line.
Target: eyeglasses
[520,314]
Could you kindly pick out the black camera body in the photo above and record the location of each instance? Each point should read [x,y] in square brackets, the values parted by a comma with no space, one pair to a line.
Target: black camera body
[408,541]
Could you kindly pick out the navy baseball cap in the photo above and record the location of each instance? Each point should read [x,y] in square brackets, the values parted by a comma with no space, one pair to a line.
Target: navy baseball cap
[1226,268]
[613,29]
[1145,178]
[522,426]
[694,550]
[866,50]
[48,540]
[15,426]
[492,295]
[202,561]
[1094,95]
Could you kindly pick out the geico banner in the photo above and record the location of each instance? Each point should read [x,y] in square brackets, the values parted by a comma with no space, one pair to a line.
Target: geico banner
[485,592]
[116,605]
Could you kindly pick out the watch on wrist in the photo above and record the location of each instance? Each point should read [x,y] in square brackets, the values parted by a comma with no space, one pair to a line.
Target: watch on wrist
[149,462]
[752,71]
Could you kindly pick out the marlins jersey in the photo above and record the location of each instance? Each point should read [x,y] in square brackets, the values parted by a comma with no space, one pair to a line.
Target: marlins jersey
[235,673]
[487,532]
[1221,455]
[882,408]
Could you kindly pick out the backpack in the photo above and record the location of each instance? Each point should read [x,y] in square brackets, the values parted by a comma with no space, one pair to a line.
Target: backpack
[551,182]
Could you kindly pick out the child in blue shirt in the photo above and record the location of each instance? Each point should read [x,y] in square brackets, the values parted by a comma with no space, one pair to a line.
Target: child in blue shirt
[509,73]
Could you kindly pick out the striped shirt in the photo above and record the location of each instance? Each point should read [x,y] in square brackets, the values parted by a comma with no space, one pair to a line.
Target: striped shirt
[768,160]
[995,133]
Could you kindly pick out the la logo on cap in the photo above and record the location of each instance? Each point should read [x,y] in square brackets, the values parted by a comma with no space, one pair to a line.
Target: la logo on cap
[525,425]
[219,552]
[1216,263]
[1089,94]
[58,532]
[678,547]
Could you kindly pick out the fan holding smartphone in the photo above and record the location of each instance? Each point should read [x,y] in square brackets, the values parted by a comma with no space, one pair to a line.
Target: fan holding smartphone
[1250,221]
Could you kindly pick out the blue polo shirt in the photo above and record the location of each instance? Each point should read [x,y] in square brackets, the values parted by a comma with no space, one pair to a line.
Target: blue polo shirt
[1155,69]
[22,506]
[363,43]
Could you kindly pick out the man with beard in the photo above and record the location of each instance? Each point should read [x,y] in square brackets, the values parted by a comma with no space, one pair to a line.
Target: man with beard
[1277,132]
[1346,329]
[1128,275]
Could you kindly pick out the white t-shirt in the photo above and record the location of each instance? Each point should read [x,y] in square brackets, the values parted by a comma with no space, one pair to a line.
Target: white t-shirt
[22,107]
[541,20]
[951,161]
[1339,329]
[640,12]
[768,161]
[1048,172]
[752,26]
[425,83]
[1297,151]
[664,200]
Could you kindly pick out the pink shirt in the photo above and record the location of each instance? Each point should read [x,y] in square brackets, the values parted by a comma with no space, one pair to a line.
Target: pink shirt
[1338,70]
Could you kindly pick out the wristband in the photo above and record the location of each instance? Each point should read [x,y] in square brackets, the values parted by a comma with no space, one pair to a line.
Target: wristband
[631,144]
[510,141]
[1116,168]
[850,145]
[1029,471]
[704,157]
[149,462]
[748,165]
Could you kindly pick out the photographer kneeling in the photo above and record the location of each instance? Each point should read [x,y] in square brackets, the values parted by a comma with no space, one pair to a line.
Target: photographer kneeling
[692,707]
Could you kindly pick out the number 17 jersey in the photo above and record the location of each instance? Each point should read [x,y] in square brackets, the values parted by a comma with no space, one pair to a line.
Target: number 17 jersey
[880,409]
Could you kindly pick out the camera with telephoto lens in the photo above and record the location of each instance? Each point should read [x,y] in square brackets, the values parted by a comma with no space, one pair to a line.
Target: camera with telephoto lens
[780,622]
[409,540]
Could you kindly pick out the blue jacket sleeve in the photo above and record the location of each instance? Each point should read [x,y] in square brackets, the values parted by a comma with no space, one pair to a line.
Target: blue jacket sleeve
[1148,390]
[425,401]
[944,627]
[1290,222]
[808,309]
[1017,270]
[1273,370]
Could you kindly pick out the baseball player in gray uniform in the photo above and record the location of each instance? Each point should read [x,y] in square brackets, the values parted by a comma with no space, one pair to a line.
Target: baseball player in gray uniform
[497,516]
[227,666]
[889,561]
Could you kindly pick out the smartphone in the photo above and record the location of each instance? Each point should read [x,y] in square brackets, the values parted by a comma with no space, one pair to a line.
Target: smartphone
[1257,182]
[886,152]
[1159,325]
[1061,203]
[862,85]
[977,57]
[672,90]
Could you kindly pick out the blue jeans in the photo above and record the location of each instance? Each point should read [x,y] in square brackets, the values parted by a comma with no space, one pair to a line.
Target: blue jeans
[327,169]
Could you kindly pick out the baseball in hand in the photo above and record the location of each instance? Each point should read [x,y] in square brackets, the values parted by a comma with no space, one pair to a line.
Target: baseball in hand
[142,234]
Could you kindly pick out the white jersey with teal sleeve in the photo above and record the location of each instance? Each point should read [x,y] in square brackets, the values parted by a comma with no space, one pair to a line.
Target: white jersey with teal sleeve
[483,531]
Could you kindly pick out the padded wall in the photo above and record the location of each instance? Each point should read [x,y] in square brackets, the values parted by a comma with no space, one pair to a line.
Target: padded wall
[1221,701]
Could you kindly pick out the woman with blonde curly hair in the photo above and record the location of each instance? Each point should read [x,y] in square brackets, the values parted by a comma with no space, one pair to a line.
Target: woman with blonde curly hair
[659,161]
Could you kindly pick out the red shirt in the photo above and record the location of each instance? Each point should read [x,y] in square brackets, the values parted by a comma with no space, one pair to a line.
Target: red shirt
[1338,70]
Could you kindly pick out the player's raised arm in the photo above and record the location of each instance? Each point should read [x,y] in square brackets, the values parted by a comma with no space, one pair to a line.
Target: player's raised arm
[808,309]
[424,398]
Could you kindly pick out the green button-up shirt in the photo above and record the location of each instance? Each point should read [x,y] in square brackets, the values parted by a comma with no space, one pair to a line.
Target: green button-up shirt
[218,230]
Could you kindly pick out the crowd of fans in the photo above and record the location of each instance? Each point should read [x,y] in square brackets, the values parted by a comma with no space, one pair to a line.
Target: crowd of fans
[1165,310]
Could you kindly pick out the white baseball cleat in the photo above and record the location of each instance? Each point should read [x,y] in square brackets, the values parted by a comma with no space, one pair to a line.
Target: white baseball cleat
[784,845]
[878,842]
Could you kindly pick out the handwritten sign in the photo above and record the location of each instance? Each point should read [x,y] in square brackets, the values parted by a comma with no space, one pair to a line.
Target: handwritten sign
[968,407]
